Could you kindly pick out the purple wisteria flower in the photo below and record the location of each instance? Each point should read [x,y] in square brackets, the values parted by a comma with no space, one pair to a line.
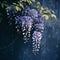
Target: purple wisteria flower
[27,23]
[33,13]
[37,36]
[32,19]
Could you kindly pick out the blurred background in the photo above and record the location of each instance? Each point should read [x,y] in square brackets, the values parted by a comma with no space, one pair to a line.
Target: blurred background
[13,48]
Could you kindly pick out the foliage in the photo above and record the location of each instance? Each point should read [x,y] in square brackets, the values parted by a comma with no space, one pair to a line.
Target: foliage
[20,4]
[45,12]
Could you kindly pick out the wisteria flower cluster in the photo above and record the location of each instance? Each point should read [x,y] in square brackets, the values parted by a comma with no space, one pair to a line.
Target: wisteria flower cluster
[29,19]
[32,21]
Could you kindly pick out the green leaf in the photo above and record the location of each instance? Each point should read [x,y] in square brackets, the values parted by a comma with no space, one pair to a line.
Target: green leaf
[46,16]
[33,0]
[14,3]
[21,5]
[17,8]
[29,2]
[53,16]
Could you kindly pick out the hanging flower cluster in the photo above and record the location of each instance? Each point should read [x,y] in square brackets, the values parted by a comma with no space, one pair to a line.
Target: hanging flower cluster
[31,21]
[27,20]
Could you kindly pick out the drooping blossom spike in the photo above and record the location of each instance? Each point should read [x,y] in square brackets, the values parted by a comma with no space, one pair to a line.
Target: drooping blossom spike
[39,27]
[26,26]
[37,36]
